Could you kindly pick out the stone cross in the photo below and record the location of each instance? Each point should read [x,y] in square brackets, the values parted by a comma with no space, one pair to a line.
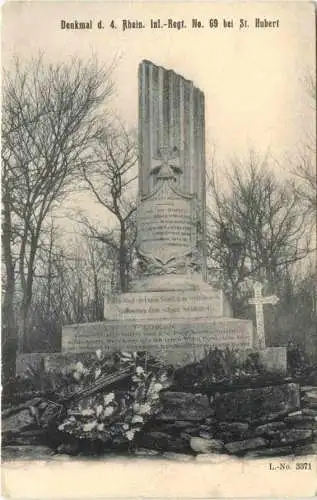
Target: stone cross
[166,165]
[259,301]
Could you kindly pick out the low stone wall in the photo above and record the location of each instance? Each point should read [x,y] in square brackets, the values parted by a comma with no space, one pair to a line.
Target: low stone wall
[263,421]
[268,421]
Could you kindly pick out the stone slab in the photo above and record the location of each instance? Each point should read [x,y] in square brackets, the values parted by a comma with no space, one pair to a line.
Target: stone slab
[184,406]
[259,404]
[17,422]
[274,359]
[245,445]
[177,342]
[192,304]
[50,362]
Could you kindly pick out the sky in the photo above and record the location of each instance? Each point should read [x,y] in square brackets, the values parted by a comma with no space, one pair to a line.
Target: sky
[253,79]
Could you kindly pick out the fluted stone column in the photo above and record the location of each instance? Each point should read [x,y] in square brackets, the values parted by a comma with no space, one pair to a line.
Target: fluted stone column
[172,115]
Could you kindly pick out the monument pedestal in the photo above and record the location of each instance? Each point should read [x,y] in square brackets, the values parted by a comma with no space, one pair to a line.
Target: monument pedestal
[175,341]
[171,299]
[176,326]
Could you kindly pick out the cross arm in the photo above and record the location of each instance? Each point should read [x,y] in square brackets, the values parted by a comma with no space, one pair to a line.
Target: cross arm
[273,299]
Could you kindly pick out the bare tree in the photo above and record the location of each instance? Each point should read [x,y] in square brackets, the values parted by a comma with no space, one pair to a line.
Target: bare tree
[306,184]
[305,163]
[111,177]
[98,267]
[294,318]
[70,284]
[49,123]
[256,227]
[86,275]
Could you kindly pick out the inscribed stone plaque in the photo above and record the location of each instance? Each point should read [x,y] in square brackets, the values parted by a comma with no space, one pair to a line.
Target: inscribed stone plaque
[165,224]
[166,304]
[167,339]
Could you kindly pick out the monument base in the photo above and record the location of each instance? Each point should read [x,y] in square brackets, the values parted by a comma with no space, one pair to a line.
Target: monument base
[274,359]
[200,301]
[176,341]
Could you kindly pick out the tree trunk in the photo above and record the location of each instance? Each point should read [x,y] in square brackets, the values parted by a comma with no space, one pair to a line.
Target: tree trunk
[9,333]
[23,325]
[234,301]
[49,272]
[98,308]
[9,340]
[123,260]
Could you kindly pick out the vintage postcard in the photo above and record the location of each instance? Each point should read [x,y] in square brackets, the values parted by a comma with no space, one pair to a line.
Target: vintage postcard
[158,249]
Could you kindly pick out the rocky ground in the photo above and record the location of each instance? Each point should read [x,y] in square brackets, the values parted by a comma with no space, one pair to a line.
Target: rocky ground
[270,421]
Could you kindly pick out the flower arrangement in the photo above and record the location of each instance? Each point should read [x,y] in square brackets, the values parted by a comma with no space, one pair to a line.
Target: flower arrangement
[118,416]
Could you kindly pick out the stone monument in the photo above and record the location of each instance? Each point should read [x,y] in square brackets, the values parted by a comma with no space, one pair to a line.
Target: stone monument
[172,153]
[170,311]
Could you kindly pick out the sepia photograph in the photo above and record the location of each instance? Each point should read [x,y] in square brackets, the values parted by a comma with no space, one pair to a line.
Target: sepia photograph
[159,298]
